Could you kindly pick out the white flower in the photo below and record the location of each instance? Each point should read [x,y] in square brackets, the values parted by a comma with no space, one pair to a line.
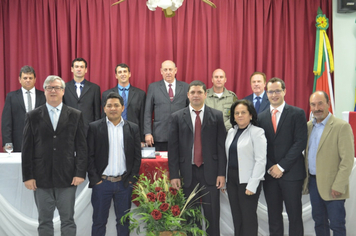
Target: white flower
[164,4]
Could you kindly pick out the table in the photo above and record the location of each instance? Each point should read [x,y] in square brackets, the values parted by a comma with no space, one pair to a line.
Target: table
[18,213]
[152,167]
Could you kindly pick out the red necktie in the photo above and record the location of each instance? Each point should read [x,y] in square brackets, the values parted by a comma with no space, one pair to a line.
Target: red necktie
[198,157]
[274,119]
[170,92]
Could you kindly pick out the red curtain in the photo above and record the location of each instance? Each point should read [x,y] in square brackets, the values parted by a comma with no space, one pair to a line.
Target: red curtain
[239,36]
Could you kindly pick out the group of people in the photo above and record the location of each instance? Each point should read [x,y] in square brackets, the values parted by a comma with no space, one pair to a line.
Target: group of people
[264,147]
[212,138]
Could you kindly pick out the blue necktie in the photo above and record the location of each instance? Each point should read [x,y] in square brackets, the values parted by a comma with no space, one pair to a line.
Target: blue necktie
[123,95]
[257,104]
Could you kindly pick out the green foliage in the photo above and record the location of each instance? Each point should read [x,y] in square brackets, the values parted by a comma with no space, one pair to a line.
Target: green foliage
[155,216]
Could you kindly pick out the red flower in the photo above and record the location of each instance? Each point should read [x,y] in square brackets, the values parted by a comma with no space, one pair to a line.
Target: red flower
[164,206]
[161,196]
[173,191]
[156,214]
[175,210]
[151,197]
[157,189]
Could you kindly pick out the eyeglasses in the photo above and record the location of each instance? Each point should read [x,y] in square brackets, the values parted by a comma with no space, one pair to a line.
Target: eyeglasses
[50,88]
[271,92]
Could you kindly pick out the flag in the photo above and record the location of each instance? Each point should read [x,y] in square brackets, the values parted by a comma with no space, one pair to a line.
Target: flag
[323,59]
[355,102]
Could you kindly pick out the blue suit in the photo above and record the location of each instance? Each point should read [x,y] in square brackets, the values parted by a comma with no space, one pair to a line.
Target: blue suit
[264,103]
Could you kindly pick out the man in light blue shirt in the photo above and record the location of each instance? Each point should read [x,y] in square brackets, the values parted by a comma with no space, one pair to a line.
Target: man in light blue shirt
[329,161]
[134,98]
[54,158]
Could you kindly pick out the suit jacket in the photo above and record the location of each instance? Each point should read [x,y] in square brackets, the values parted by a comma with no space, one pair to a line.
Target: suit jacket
[98,147]
[158,102]
[334,158]
[181,140]
[54,157]
[264,103]
[135,106]
[285,147]
[251,153]
[13,117]
[88,102]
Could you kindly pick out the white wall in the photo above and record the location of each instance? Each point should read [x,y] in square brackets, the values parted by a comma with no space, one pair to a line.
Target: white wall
[344,29]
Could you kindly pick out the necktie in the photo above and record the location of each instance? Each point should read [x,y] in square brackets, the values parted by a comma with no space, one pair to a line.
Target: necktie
[170,92]
[257,104]
[274,119]
[29,101]
[55,118]
[198,157]
[78,89]
[123,95]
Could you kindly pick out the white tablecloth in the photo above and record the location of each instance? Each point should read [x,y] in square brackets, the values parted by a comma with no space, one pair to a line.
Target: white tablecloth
[18,213]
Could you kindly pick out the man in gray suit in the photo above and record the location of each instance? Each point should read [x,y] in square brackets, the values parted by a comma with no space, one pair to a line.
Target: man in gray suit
[54,158]
[163,98]
[17,103]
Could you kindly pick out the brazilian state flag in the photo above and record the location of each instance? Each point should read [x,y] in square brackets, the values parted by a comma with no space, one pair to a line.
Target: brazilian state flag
[323,62]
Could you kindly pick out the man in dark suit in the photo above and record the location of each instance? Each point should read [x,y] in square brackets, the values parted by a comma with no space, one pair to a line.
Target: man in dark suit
[54,158]
[258,97]
[82,94]
[286,132]
[114,162]
[134,98]
[199,157]
[163,98]
[17,103]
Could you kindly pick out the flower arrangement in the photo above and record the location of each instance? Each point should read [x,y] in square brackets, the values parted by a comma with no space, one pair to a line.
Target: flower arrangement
[168,6]
[164,208]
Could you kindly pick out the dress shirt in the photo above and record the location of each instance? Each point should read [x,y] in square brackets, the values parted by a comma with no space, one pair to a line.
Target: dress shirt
[314,139]
[59,109]
[117,161]
[255,98]
[81,85]
[120,89]
[193,116]
[278,115]
[33,97]
[173,86]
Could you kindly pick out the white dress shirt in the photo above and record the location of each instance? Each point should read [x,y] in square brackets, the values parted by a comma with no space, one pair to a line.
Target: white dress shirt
[117,161]
[33,97]
[278,116]
[173,86]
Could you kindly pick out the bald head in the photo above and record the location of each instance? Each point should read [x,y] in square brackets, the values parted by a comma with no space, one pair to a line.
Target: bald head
[168,71]
[218,80]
